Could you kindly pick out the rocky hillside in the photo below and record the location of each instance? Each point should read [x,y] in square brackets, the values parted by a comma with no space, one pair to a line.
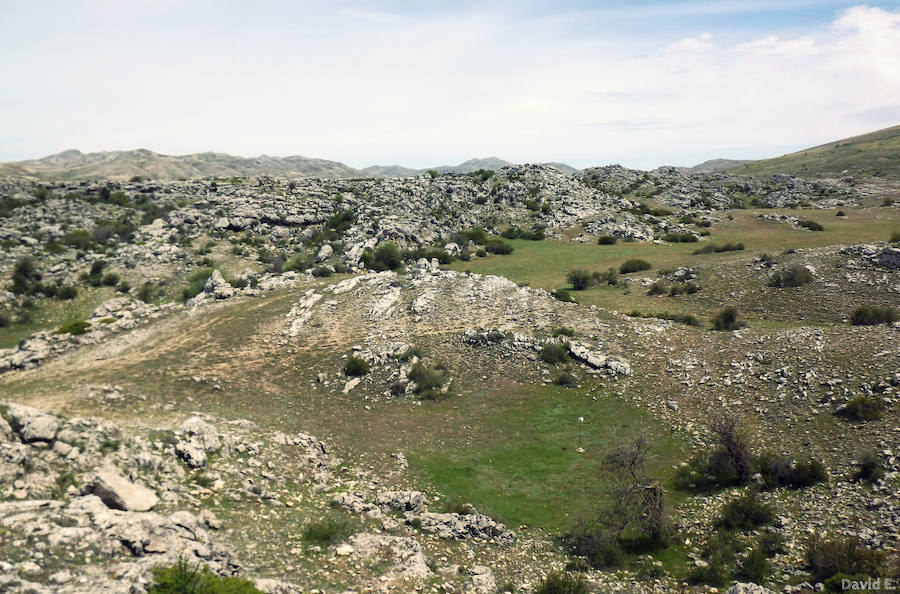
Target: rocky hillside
[426,383]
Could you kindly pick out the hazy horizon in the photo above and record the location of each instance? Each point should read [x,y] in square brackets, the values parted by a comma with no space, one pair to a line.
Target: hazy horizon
[382,83]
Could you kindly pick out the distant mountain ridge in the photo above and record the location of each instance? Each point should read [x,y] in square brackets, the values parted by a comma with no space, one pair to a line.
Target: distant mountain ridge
[122,165]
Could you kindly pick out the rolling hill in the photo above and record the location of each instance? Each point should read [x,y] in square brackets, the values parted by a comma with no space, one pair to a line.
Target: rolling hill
[876,154]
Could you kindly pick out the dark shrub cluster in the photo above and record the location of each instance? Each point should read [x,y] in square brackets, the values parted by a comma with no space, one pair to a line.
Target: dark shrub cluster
[714,248]
[827,559]
[794,276]
[184,578]
[867,315]
[862,408]
[679,237]
[689,319]
[611,239]
[196,282]
[869,468]
[634,265]
[356,367]
[727,320]
[811,225]
[781,471]
[555,353]
[429,380]
[517,233]
[687,288]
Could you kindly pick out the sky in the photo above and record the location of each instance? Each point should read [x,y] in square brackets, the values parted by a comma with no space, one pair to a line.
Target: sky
[641,83]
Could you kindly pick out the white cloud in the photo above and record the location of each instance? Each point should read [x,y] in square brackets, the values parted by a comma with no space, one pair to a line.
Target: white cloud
[366,87]
[693,44]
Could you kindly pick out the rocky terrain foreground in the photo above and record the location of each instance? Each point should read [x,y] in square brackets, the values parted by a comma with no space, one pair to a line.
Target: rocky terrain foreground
[375,385]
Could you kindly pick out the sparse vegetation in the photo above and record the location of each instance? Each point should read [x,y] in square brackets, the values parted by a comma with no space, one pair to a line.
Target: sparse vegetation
[794,276]
[555,353]
[868,315]
[714,248]
[862,408]
[727,320]
[634,265]
[185,578]
[562,582]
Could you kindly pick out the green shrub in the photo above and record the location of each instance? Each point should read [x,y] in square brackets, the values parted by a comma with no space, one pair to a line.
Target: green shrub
[562,331]
[74,328]
[807,473]
[79,239]
[755,567]
[196,282]
[300,262]
[580,279]
[811,225]
[387,256]
[840,213]
[862,408]
[66,292]
[689,319]
[610,277]
[110,279]
[429,381]
[607,240]
[5,319]
[184,578]
[356,367]
[714,248]
[867,315]
[791,277]
[746,513]
[146,293]
[828,558]
[657,288]
[869,468]
[495,246]
[561,582]
[329,530]
[687,288]
[634,265]
[727,320]
[564,295]
[565,378]
[895,237]
[771,543]
[679,237]
[24,273]
[322,271]
[555,353]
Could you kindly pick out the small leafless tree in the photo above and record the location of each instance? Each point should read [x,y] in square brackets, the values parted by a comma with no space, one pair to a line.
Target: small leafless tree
[732,437]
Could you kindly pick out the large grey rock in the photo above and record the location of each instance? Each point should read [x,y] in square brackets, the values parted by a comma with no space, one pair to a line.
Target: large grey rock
[890,258]
[462,527]
[217,286]
[117,492]
[192,454]
[203,433]
[325,252]
[408,560]
[33,425]
[405,501]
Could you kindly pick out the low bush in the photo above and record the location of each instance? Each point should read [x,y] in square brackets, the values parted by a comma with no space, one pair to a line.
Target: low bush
[862,408]
[610,277]
[714,248]
[329,530]
[110,279]
[746,513]
[657,288]
[679,237]
[727,320]
[517,233]
[429,381]
[869,468]
[147,293]
[612,239]
[689,319]
[634,265]
[562,331]
[840,213]
[356,367]
[811,225]
[781,471]
[580,279]
[495,246]
[184,578]
[555,353]
[846,556]
[196,282]
[564,295]
[74,328]
[562,582]
[687,288]
[808,473]
[322,271]
[794,276]
[895,237]
[565,378]
[754,567]
[387,256]
[867,315]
